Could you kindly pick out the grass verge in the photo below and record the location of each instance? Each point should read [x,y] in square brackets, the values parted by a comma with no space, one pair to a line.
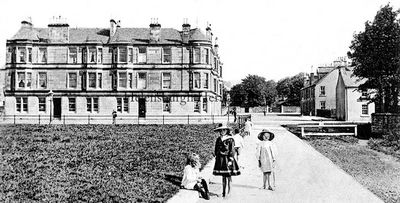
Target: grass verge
[97,163]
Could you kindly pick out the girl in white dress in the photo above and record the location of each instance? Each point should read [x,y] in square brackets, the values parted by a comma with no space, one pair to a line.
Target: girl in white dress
[191,179]
[266,156]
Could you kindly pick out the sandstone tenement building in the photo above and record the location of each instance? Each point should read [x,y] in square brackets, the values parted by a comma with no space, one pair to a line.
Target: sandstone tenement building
[61,70]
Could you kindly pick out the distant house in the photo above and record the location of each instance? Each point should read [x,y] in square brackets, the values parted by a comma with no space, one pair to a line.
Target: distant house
[351,104]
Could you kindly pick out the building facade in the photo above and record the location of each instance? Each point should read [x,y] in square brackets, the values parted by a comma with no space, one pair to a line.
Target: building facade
[352,104]
[60,70]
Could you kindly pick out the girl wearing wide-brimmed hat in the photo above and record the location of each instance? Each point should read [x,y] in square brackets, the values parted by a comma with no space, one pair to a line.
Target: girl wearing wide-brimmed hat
[225,163]
[266,156]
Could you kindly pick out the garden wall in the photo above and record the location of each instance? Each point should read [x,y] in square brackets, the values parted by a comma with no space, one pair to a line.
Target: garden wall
[382,123]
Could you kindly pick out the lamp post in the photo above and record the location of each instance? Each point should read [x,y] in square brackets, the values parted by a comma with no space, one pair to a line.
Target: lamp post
[51,94]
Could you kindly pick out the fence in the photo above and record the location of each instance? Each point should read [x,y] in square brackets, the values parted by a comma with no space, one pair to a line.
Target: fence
[120,119]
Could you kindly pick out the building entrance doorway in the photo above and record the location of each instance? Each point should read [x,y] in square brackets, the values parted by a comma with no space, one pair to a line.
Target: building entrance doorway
[57,108]
[142,107]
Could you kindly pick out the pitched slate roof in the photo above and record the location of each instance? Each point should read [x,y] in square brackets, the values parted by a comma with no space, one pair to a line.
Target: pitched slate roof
[348,78]
[101,35]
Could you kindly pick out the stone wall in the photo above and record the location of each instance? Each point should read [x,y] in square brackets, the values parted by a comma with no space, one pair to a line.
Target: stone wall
[382,123]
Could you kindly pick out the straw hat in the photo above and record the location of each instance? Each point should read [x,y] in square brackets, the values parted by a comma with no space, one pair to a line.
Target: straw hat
[261,135]
[223,127]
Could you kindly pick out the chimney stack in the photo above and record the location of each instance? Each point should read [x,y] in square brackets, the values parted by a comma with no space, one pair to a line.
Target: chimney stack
[113,27]
[208,32]
[185,30]
[59,29]
[27,23]
[155,29]
[216,45]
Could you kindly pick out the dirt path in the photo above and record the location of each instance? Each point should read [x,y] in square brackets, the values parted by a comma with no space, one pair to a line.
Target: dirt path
[303,175]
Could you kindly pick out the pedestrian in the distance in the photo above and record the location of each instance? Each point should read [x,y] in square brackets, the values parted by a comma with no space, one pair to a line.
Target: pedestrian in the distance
[225,163]
[114,116]
[238,144]
[247,126]
[191,179]
[266,156]
[234,115]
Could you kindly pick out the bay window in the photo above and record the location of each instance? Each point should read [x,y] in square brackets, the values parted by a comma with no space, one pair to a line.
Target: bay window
[122,80]
[122,55]
[142,57]
[73,55]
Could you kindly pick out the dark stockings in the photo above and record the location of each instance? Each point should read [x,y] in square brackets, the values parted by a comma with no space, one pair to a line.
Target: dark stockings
[202,187]
[226,181]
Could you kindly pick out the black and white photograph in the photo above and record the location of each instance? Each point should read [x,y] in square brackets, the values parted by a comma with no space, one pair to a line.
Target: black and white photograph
[196,101]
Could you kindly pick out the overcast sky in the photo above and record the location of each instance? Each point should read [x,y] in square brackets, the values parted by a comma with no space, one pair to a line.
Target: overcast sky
[271,38]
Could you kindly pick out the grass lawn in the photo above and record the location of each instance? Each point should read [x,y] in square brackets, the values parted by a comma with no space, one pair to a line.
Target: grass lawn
[97,163]
[378,172]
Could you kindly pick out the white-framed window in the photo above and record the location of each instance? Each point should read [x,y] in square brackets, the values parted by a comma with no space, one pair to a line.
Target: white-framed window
[42,80]
[94,80]
[92,104]
[196,55]
[73,55]
[123,104]
[130,55]
[100,80]
[71,104]
[22,104]
[22,54]
[196,79]
[24,79]
[215,85]
[205,104]
[42,55]
[207,56]
[142,81]
[364,109]
[205,82]
[114,54]
[122,79]
[92,55]
[30,55]
[142,57]
[322,103]
[167,55]
[99,55]
[166,104]
[123,54]
[130,80]
[196,104]
[42,104]
[322,91]
[166,80]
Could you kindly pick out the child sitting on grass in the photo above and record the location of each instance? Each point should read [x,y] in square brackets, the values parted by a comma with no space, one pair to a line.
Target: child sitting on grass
[191,179]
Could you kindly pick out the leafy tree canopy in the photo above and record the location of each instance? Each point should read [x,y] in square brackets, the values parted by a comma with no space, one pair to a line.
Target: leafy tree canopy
[375,53]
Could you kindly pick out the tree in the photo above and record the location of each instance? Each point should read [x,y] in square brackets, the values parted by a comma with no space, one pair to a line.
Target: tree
[253,91]
[375,54]
[289,88]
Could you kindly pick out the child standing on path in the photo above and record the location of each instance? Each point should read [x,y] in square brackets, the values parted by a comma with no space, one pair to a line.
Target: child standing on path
[266,156]
[238,144]
[191,179]
[247,127]
[225,163]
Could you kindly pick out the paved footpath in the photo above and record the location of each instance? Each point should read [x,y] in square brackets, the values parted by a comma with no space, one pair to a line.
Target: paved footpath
[302,175]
